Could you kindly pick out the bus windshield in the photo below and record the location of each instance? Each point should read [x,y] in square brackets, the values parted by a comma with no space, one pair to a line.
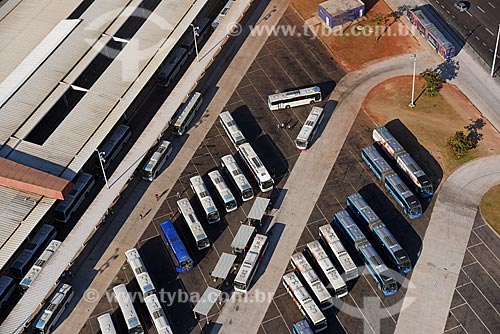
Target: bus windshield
[267,184]
[240,285]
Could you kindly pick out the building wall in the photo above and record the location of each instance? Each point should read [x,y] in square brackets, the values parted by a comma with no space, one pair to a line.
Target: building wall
[348,16]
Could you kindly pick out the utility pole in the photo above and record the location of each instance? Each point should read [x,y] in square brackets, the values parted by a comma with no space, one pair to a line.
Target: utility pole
[495,53]
[196,34]
[412,103]
[101,162]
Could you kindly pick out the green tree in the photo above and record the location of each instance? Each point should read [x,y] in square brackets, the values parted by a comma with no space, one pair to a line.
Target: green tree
[459,144]
[433,81]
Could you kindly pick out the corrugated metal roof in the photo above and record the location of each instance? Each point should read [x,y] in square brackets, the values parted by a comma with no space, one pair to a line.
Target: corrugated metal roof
[223,266]
[242,237]
[207,301]
[258,208]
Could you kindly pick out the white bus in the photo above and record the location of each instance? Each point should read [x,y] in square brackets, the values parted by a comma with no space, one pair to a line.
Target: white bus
[119,137]
[158,315]
[140,272]
[46,320]
[304,302]
[232,130]
[331,239]
[36,269]
[145,284]
[239,179]
[106,324]
[225,195]
[157,160]
[300,264]
[201,191]
[336,284]
[250,263]
[257,168]
[222,14]
[83,184]
[184,115]
[7,287]
[197,231]
[294,98]
[309,129]
[123,298]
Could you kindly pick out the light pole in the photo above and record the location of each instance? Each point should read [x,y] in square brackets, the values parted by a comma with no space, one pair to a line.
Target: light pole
[412,103]
[495,54]
[196,34]
[101,161]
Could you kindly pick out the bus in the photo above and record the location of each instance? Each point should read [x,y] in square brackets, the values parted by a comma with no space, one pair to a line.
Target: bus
[187,42]
[185,114]
[7,287]
[106,324]
[222,13]
[47,318]
[333,243]
[197,231]
[302,327]
[358,206]
[294,98]
[304,269]
[336,284]
[304,302]
[123,298]
[119,137]
[404,161]
[140,272]
[36,269]
[145,284]
[83,184]
[206,201]
[232,130]
[250,263]
[239,179]
[42,237]
[225,195]
[256,167]
[379,271]
[157,160]
[376,162]
[309,129]
[178,252]
[172,65]
[157,315]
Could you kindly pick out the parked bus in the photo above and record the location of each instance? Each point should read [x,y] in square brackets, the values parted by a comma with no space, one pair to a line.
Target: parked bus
[309,129]
[250,263]
[178,252]
[379,271]
[47,318]
[256,167]
[302,327]
[301,266]
[197,231]
[222,13]
[114,144]
[200,190]
[123,298]
[40,263]
[22,263]
[106,324]
[232,130]
[172,65]
[187,41]
[333,243]
[336,284]
[185,114]
[135,261]
[7,287]
[294,98]
[158,315]
[239,179]
[157,160]
[304,302]
[358,206]
[225,195]
[83,185]
[376,162]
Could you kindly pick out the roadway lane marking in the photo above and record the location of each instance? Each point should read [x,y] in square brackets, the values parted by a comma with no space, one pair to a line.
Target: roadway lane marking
[488,30]
[489,3]
[480,9]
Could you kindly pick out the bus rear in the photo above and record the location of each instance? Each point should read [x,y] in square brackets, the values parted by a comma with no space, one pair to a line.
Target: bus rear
[179,254]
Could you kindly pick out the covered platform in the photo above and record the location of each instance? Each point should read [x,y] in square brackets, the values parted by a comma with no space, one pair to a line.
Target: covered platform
[206,302]
[223,266]
[242,239]
[258,210]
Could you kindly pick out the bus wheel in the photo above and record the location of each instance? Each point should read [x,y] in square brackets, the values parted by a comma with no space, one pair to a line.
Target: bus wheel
[312,102]
[287,106]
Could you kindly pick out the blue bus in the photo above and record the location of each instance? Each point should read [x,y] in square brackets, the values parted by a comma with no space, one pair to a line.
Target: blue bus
[358,206]
[379,271]
[179,254]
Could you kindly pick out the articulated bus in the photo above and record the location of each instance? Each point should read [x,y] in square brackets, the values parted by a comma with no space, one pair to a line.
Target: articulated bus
[379,271]
[294,98]
[7,287]
[83,184]
[47,318]
[197,231]
[158,315]
[119,137]
[178,252]
[225,195]
[250,263]
[232,130]
[33,273]
[239,179]
[157,160]
[106,324]
[201,192]
[309,128]
[376,162]
[301,266]
[358,206]
[256,167]
[184,115]
[304,302]
[172,65]
[123,298]
[404,160]
[336,284]
[332,241]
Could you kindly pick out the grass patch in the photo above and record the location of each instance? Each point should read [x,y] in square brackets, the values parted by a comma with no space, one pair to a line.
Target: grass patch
[490,207]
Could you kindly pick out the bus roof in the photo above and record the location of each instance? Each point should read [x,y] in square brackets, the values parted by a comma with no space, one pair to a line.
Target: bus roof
[80,182]
[294,93]
[364,209]
[372,152]
[236,172]
[254,161]
[310,123]
[184,110]
[191,219]
[56,299]
[383,136]
[201,191]
[173,238]
[157,155]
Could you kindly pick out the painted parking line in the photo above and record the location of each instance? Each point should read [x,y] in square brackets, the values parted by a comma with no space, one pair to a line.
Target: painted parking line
[489,3]
[488,30]
[468,13]
[480,9]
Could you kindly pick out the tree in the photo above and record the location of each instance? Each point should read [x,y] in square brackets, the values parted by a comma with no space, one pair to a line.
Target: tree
[433,81]
[461,143]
